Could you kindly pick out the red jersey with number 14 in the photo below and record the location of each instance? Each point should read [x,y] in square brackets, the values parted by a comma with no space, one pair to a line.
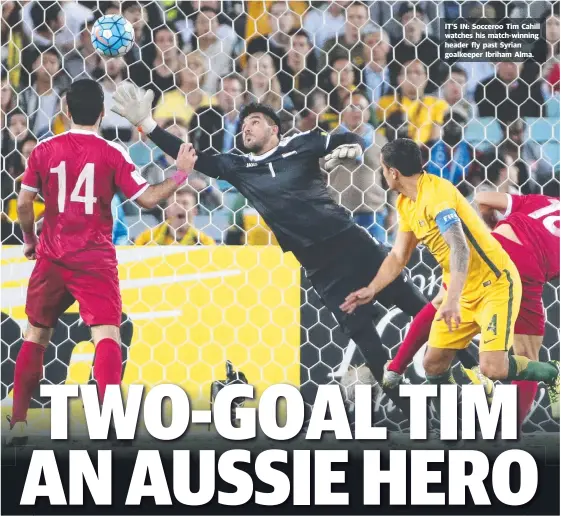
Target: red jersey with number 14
[535,220]
[78,173]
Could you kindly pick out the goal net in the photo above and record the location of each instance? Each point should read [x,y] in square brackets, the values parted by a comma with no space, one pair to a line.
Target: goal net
[203,281]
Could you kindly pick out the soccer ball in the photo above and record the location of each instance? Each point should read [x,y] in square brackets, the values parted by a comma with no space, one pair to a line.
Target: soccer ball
[112,35]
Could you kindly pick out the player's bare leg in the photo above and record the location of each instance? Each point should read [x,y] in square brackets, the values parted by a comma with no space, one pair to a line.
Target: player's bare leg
[437,364]
[498,365]
[28,374]
[108,358]
[417,335]
[527,346]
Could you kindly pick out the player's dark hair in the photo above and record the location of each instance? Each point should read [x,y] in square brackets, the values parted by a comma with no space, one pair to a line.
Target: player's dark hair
[338,55]
[44,13]
[358,4]
[404,155]
[234,77]
[459,70]
[125,6]
[297,33]
[53,51]
[264,109]
[85,101]
[15,112]
[208,8]
[493,170]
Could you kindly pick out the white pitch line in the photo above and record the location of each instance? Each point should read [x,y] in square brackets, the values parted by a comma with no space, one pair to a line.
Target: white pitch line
[15,296]
[141,316]
[81,357]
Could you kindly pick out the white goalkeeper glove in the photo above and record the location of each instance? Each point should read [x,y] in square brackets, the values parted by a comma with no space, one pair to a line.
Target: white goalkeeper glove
[135,105]
[342,153]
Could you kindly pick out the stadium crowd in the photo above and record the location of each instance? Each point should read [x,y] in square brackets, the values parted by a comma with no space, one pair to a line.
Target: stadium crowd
[372,68]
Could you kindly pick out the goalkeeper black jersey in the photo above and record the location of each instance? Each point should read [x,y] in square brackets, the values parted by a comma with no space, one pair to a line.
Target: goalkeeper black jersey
[285,185]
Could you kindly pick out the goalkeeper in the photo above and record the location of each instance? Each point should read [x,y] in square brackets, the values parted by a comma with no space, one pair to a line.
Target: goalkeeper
[282,180]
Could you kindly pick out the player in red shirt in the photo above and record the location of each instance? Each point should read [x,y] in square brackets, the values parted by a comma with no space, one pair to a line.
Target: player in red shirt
[529,232]
[78,173]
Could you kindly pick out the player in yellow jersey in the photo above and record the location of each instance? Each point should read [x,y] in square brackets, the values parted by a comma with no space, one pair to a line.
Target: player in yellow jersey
[483,288]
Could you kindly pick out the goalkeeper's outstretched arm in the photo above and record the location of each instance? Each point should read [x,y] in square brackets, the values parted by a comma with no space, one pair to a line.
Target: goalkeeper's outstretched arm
[135,105]
[341,147]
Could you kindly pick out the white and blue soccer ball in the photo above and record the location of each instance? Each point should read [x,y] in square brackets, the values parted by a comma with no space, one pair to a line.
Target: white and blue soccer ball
[112,35]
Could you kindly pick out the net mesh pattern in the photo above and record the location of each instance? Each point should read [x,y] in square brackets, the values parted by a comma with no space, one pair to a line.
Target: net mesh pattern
[372,68]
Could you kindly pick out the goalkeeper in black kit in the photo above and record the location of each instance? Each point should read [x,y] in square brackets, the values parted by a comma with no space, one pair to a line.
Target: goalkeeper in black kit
[282,180]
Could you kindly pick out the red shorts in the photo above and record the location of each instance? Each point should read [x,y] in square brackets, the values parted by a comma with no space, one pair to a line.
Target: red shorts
[531,318]
[54,288]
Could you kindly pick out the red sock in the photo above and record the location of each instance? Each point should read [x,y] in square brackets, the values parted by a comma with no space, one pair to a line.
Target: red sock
[526,394]
[417,335]
[27,375]
[107,365]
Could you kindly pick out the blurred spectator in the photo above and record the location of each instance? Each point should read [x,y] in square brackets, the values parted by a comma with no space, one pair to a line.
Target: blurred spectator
[410,113]
[501,175]
[178,228]
[360,187]
[134,13]
[182,102]
[376,73]
[13,137]
[164,60]
[258,21]
[219,52]
[450,157]
[12,174]
[50,23]
[506,97]
[187,26]
[246,225]
[416,44]
[41,101]
[526,154]
[283,22]
[263,84]
[545,63]
[215,129]
[114,126]
[314,115]
[325,21]
[342,84]
[349,41]
[7,97]
[13,40]
[84,62]
[297,76]
[453,91]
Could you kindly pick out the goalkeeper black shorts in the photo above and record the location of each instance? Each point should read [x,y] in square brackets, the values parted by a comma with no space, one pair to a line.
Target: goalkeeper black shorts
[348,262]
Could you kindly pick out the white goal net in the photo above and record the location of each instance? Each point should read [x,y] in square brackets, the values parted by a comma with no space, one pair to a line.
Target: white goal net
[203,280]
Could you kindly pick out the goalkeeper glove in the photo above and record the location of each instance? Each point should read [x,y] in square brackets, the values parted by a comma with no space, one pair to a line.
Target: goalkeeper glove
[342,153]
[135,105]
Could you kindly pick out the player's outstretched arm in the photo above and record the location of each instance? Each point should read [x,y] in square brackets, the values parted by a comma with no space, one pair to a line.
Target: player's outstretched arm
[26,217]
[155,194]
[459,262]
[135,105]
[390,269]
[492,201]
[341,147]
